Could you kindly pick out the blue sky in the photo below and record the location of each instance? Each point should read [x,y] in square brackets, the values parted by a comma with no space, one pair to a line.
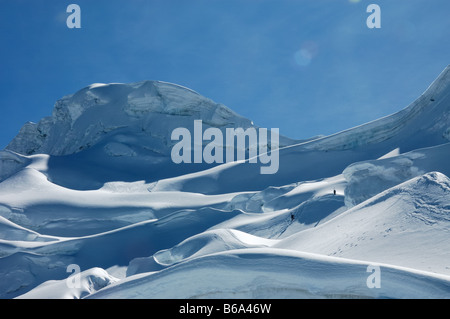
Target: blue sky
[307,67]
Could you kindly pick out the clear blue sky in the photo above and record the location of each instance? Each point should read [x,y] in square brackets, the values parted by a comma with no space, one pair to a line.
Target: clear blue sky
[308,67]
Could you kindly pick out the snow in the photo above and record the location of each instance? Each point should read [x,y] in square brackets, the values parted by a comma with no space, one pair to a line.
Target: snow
[144,112]
[93,185]
[406,225]
[368,178]
[265,273]
[90,281]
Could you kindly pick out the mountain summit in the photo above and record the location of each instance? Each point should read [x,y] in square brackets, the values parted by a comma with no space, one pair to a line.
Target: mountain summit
[118,132]
[131,116]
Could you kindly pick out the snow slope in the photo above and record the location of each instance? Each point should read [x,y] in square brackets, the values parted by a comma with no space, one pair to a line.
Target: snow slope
[268,273]
[93,185]
[406,225]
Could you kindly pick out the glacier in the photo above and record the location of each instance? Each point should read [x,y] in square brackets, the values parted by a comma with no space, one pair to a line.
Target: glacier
[93,185]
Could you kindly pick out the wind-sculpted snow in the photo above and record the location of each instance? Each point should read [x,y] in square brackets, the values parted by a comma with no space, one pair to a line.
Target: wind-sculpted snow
[81,120]
[90,281]
[11,163]
[205,243]
[368,178]
[112,248]
[265,273]
[93,187]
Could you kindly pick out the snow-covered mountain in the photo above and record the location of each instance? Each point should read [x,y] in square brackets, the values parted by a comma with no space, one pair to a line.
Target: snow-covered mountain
[94,186]
[118,132]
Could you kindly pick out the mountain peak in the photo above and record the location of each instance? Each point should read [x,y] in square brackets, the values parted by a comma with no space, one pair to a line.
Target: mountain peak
[151,108]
